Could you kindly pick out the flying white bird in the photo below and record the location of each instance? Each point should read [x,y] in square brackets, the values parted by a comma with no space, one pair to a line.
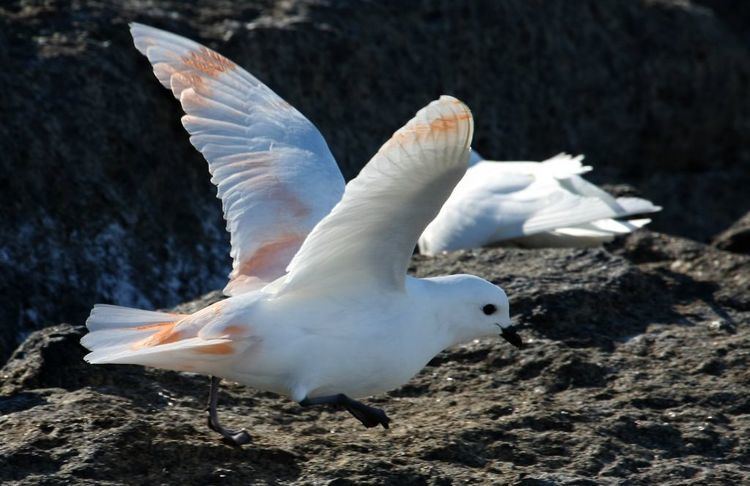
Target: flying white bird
[530,204]
[322,313]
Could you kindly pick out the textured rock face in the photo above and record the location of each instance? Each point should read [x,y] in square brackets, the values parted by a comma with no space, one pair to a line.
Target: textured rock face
[103,199]
[736,238]
[636,369]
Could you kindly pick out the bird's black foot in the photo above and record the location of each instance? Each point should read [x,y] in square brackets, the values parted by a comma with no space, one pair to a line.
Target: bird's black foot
[369,416]
[231,437]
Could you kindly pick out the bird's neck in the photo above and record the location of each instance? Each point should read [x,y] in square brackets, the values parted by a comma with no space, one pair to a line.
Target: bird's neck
[439,328]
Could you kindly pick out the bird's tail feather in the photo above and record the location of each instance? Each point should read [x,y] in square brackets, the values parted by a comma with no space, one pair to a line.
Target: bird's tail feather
[121,335]
[585,210]
[563,165]
[635,205]
[582,236]
[114,329]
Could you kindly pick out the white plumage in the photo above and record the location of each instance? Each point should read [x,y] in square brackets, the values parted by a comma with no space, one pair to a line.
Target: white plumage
[276,176]
[530,204]
[373,230]
[344,318]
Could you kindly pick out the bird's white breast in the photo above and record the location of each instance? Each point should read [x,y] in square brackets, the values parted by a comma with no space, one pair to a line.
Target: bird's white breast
[323,346]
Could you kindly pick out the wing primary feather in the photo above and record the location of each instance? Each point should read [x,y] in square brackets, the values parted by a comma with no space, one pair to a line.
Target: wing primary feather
[396,194]
[274,171]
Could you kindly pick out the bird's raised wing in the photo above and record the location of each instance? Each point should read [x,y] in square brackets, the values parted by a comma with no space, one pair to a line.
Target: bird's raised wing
[369,237]
[276,176]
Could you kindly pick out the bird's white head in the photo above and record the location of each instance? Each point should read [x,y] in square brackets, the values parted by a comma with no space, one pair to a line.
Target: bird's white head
[468,307]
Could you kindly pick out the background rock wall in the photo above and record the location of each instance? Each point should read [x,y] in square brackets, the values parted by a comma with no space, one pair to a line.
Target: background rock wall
[103,199]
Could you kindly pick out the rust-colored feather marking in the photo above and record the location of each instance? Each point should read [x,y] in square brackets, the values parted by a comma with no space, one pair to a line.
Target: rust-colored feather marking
[166,334]
[187,79]
[268,257]
[269,182]
[448,123]
[208,62]
[436,126]
[291,202]
[235,331]
[264,179]
[158,325]
[216,349]
[217,308]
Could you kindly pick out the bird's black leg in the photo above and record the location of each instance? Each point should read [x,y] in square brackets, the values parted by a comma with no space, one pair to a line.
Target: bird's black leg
[230,436]
[369,416]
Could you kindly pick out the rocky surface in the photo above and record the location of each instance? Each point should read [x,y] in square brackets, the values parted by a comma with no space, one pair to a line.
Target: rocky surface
[636,366]
[635,372]
[736,238]
[103,199]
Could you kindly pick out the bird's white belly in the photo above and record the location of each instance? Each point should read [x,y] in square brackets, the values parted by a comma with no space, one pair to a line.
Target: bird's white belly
[314,365]
[360,372]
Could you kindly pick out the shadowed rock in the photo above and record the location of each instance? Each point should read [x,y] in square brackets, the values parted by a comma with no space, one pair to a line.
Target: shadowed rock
[735,238]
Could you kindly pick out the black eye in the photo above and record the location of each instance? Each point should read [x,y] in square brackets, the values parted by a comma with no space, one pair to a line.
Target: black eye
[489,309]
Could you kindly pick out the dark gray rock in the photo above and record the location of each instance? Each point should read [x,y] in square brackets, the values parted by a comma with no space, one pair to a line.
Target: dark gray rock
[624,378]
[103,199]
[736,238]
[696,204]
[734,13]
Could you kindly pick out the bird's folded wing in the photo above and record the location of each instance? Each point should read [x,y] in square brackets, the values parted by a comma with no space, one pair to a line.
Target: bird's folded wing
[560,166]
[491,178]
[564,209]
[369,237]
[276,176]
[555,197]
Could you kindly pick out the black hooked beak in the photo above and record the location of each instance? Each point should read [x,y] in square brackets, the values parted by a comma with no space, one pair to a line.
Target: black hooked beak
[510,335]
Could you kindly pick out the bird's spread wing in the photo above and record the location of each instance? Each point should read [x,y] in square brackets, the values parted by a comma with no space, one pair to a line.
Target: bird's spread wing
[276,176]
[369,237]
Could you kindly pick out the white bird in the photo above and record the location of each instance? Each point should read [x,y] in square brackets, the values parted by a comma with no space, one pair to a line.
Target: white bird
[322,315]
[530,204]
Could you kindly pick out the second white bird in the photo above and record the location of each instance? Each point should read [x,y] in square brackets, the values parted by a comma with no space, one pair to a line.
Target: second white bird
[530,204]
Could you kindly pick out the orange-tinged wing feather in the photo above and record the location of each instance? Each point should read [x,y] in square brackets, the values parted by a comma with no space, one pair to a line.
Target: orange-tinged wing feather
[369,237]
[276,176]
